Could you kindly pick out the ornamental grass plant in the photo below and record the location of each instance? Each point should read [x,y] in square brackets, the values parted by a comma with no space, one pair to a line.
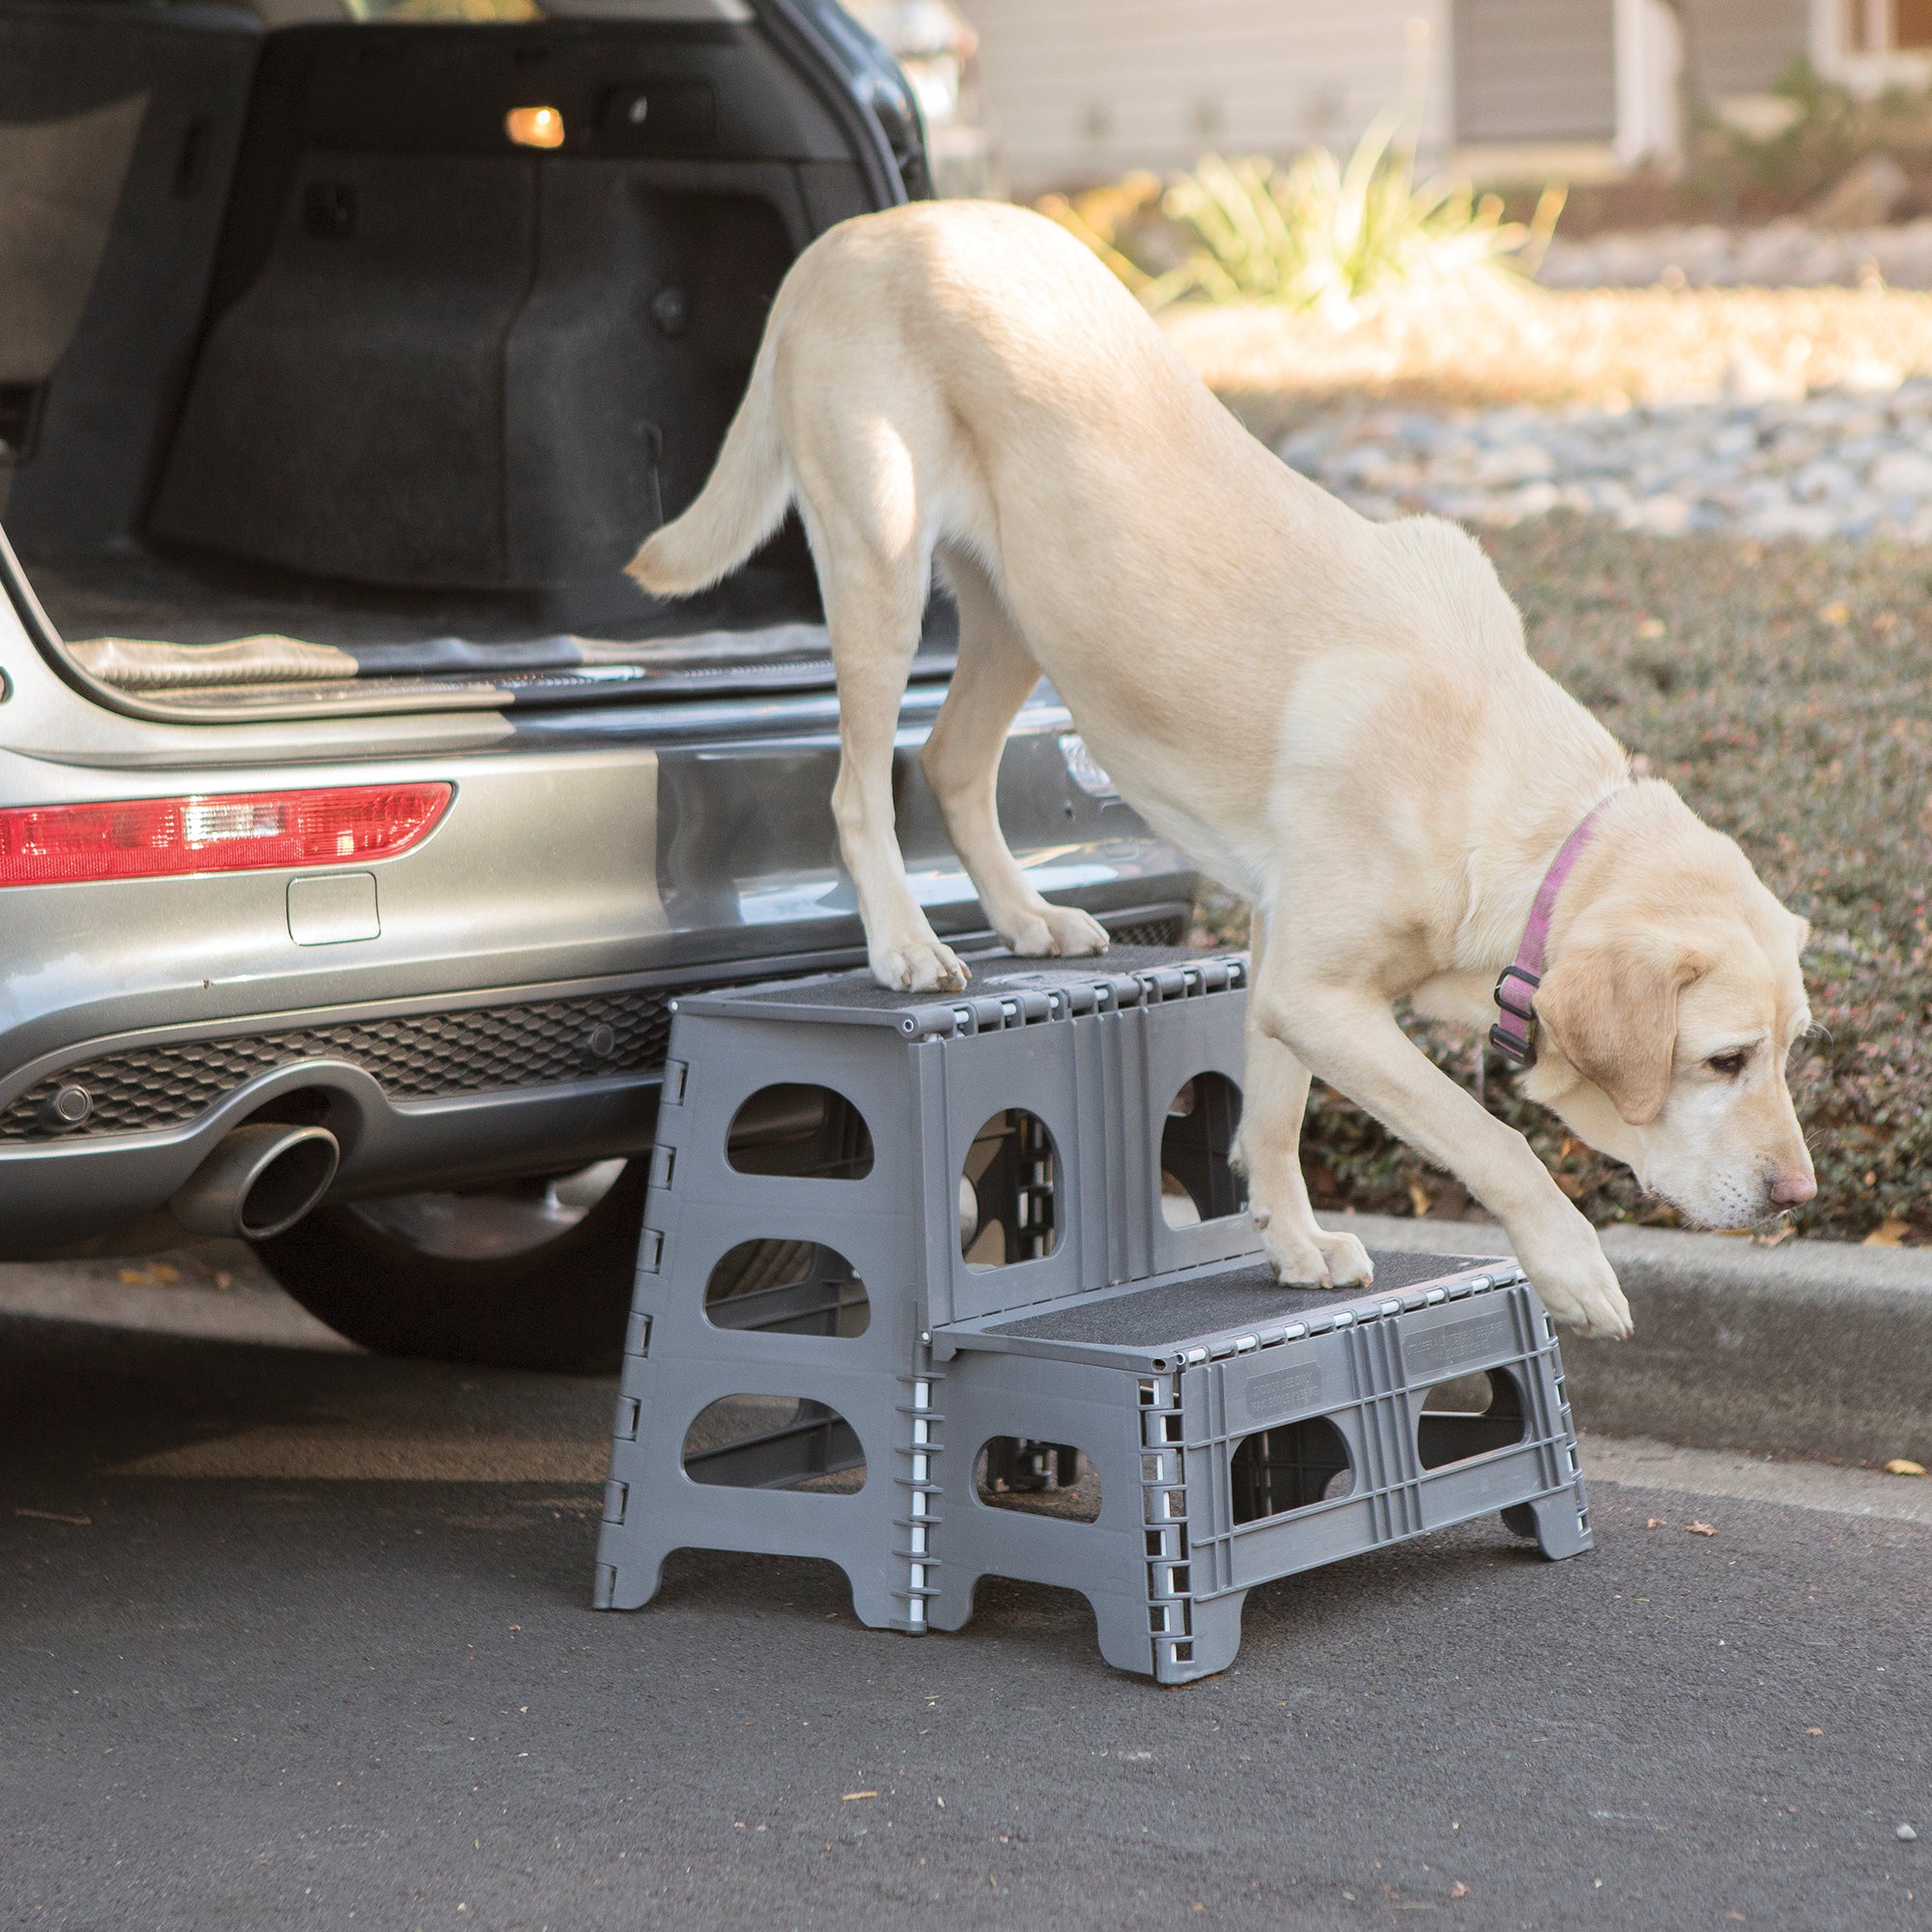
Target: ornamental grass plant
[1333,237]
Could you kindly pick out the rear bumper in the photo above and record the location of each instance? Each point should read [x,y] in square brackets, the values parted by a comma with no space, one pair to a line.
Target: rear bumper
[510,1014]
[533,1081]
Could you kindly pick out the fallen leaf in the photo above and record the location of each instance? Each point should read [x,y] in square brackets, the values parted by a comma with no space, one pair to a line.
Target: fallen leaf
[1458,1889]
[1901,1465]
[87,1521]
[850,1795]
[1814,1730]
[1657,1522]
[1701,1528]
[1736,1918]
[1891,1233]
[1775,1240]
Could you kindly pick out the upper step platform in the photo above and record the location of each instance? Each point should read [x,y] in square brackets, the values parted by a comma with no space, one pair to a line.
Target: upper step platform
[1058,1127]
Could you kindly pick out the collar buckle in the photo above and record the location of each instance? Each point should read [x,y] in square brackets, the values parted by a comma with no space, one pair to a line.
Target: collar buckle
[1516,1044]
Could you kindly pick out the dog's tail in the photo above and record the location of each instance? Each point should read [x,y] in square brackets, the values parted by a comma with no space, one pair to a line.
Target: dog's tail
[743,502]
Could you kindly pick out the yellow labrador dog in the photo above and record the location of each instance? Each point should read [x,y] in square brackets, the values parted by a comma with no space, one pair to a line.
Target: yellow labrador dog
[1337,718]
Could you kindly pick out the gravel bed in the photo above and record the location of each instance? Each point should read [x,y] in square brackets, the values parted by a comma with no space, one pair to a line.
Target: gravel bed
[1833,465]
[1781,254]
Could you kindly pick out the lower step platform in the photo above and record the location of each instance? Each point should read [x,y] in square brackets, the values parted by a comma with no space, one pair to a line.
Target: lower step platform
[1236,1431]
[1161,1447]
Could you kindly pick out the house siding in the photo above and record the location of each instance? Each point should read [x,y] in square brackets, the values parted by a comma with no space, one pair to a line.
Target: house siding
[1741,47]
[1535,69]
[1086,89]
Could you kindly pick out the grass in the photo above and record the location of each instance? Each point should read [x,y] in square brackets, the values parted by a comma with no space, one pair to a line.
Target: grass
[1787,691]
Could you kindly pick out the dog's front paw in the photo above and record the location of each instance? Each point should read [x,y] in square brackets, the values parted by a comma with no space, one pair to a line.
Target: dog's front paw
[918,966]
[1057,932]
[1578,1285]
[1309,1258]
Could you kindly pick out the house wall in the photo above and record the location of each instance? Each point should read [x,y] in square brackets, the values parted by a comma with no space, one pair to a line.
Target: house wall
[1740,47]
[1535,69]
[1088,89]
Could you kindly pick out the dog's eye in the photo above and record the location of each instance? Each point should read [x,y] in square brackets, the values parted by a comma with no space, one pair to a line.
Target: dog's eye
[1729,1064]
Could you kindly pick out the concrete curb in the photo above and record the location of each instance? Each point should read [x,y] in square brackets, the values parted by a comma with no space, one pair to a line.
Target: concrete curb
[1818,1350]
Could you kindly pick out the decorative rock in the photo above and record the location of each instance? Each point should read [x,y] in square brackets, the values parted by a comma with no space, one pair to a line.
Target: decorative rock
[1514,463]
[1834,465]
[1660,515]
[1782,254]
[1902,473]
[1868,194]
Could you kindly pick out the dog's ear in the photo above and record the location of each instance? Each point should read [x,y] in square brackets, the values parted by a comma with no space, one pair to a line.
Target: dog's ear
[1609,1004]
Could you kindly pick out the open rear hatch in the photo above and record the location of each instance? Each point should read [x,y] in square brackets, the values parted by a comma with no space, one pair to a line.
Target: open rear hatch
[354,360]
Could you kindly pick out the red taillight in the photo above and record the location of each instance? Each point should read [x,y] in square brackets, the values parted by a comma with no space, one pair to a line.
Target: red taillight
[239,832]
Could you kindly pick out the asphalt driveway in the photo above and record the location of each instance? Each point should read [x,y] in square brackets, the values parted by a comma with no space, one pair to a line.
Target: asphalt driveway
[298,1638]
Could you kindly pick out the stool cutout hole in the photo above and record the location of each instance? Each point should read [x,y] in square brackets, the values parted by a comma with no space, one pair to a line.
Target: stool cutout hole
[1469,1416]
[803,1132]
[1054,1479]
[1197,1183]
[773,1442]
[1292,1466]
[786,1288]
[1007,1192]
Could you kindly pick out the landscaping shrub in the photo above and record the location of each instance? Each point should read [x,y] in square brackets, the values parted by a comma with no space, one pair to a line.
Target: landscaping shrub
[1830,129]
[1317,233]
[1787,691]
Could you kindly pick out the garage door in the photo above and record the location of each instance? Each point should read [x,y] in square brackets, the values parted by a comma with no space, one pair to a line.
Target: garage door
[1535,69]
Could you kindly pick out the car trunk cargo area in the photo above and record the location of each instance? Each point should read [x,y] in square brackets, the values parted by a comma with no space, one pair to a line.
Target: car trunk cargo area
[311,375]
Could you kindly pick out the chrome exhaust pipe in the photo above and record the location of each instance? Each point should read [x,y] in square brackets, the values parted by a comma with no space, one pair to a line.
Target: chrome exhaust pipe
[259,1180]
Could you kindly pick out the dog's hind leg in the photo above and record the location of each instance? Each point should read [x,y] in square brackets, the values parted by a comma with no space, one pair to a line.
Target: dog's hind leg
[995,675]
[874,593]
[1268,1151]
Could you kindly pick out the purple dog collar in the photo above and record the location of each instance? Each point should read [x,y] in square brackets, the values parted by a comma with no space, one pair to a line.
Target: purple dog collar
[1514,1036]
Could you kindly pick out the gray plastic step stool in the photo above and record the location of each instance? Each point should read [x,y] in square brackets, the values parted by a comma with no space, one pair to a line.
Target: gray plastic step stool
[905,1255]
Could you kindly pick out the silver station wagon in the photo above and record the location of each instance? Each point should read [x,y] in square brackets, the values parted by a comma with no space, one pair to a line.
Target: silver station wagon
[359,821]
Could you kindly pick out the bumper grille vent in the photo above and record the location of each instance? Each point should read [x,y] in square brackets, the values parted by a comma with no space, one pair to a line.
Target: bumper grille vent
[417,1056]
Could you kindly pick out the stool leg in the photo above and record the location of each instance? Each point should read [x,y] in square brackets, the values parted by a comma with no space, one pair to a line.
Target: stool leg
[1122,1629]
[952,1608]
[631,1584]
[1554,1522]
[1214,1643]
[873,1603]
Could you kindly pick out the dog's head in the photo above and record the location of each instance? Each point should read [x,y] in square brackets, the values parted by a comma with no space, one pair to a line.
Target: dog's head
[1665,1018]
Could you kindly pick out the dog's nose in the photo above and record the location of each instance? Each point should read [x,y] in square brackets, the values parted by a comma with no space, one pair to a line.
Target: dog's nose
[1793,1186]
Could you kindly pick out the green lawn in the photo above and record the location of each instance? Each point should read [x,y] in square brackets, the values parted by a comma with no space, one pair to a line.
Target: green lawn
[1787,691]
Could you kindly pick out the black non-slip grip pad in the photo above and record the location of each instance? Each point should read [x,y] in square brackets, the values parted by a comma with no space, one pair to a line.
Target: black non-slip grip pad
[1242,1297]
